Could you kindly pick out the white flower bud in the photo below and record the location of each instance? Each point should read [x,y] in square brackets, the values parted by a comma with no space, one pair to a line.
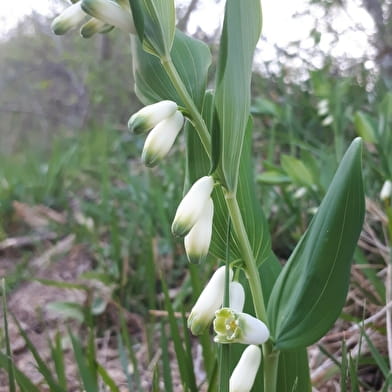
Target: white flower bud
[244,374]
[234,327]
[70,18]
[151,115]
[327,121]
[111,13]
[94,26]
[237,296]
[160,140]
[197,241]
[210,299]
[192,206]
[386,190]
[323,107]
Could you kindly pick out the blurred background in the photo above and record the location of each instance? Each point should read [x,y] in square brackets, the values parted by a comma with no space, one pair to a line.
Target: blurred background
[76,203]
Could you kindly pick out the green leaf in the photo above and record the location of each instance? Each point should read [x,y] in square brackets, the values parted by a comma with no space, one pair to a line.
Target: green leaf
[272,177]
[41,363]
[10,365]
[87,374]
[191,58]
[23,381]
[364,128]
[241,31]
[297,171]
[155,24]
[311,290]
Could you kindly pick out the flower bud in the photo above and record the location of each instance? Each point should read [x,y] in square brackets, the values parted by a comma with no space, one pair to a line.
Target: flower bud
[111,13]
[71,17]
[161,138]
[386,190]
[327,121]
[244,374]
[94,26]
[192,206]
[323,107]
[197,241]
[209,301]
[151,115]
[236,296]
[234,327]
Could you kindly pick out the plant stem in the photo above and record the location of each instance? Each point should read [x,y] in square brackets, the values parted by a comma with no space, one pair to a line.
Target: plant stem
[270,357]
[247,254]
[197,119]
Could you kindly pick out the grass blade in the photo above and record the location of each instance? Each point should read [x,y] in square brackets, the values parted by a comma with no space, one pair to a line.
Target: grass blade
[10,364]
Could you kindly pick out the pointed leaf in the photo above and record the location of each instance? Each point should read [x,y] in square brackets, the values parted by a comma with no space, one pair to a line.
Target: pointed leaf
[191,58]
[311,290]
[241,31]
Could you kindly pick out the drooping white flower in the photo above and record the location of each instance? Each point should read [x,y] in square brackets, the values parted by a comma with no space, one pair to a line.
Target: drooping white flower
[70,18]
[323,107]
[192,205]
[161,138]
[210,299]
[94,26]
[197,241]
[327,121]
[236,296]
[236,327]
[386,190]
[151,115]
[244,374]
[111,13]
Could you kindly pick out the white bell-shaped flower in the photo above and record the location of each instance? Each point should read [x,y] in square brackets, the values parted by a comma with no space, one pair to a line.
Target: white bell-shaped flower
[151,115]
[192,205]
[210,299]
[236,296]
[236,327]
[160,140]
[197,241]
[111,13]
[244,374]
[94,26]
[70,18]
[386,190]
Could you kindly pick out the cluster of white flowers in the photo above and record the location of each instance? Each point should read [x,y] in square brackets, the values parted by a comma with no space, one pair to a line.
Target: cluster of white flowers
[102,16]
[231,325]
[164,121]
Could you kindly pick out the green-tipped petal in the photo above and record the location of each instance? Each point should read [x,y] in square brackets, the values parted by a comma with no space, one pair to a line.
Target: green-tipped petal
[151,115]
[197,241]
[70,18]
[160,140]
[208,302]
[192,206]
[111,13]
[94,26]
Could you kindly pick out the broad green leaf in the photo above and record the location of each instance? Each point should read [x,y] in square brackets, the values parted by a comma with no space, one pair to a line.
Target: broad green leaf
[155,24]
[311,290]
[241,31]
[191,58]
[364,128]
[297,171]
[272,177]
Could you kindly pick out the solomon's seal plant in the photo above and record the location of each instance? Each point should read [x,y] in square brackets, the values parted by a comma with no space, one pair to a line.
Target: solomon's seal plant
[289,308]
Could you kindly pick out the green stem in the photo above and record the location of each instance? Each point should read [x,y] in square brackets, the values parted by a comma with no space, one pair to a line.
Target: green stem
[247,254]
[197,119]
[270,357]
